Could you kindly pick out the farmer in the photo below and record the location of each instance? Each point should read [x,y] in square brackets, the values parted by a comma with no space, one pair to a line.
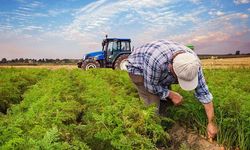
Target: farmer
[153,67]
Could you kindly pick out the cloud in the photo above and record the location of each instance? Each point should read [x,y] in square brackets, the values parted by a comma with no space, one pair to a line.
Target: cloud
[35,4]
[56,12]
[243,16]
[217,36]
[99,18]
[25,8]
[150,20]
[31,28]
[195,1]
[5,27]
[214,12]
[219,13]
[24,13]
[91,7]
[27,15]
[223,34]
[92,22]
[241,1]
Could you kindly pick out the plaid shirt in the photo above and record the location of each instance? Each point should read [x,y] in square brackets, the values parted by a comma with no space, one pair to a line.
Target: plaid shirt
[152,60]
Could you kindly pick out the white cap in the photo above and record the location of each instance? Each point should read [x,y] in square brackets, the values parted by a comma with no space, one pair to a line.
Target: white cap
[186,67]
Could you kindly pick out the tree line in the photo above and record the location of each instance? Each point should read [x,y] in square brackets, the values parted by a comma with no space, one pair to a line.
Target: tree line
[37,61]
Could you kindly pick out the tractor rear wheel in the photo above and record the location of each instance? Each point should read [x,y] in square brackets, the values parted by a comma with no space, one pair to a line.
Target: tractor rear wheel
[90,64]
[121,62]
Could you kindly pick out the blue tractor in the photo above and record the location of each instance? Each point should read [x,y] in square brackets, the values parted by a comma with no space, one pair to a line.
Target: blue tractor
[114,54]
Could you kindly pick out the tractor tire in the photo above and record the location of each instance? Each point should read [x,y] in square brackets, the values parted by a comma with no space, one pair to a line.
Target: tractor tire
[79,64]
[121,62]
[90,64]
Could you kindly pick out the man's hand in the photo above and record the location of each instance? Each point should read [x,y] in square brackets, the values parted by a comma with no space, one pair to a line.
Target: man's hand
[211,130]
[175,97]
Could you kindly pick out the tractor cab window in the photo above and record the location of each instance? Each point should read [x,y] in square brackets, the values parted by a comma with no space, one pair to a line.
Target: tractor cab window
[112,46]
[125,46]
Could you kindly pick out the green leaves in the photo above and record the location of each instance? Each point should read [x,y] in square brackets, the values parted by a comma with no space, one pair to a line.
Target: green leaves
[14,82]
[115,118]
[97,109]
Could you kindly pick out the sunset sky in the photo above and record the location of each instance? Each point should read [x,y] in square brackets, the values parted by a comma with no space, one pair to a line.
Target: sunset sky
[71,28]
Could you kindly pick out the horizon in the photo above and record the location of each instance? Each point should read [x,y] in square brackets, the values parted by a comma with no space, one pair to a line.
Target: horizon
[241,55]
[67,29]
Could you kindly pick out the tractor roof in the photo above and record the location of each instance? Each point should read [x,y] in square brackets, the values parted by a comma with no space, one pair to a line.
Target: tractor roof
[118,39]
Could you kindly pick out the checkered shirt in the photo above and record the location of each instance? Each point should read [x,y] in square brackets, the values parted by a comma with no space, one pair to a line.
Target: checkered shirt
[152,60]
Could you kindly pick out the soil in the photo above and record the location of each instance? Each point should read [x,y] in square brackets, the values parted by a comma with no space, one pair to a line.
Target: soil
[185,139]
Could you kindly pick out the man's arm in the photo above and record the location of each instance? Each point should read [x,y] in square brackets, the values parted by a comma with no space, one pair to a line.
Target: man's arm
[205,97]
[211,127]
[209,108]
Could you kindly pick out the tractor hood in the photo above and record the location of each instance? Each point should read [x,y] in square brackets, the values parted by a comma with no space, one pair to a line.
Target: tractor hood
[94,55]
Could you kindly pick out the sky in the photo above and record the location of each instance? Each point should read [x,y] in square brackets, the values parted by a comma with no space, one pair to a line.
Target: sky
[71,28]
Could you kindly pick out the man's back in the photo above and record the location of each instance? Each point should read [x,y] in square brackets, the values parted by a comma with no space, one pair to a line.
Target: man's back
[154,54]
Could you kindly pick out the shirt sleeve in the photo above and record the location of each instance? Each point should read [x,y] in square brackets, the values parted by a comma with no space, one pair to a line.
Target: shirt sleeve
[201,92]
[152,73]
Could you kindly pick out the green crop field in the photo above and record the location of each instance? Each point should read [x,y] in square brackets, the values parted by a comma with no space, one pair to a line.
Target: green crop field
[100,109]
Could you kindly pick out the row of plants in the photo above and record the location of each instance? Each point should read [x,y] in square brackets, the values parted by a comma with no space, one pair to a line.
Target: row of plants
[14,82]
[44,119]
[122,120]
[81,110]
[231,92]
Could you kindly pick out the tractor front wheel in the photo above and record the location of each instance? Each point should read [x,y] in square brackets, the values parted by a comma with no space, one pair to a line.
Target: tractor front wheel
[90,64]
[79,64]
[121,62]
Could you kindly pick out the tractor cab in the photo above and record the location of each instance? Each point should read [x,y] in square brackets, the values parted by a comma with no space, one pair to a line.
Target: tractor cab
[113,48]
